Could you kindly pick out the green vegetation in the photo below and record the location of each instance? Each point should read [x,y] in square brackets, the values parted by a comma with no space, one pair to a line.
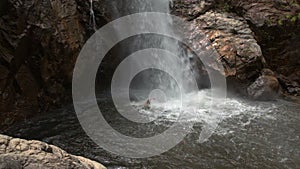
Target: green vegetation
[226,7]
[280,22]
[294,19]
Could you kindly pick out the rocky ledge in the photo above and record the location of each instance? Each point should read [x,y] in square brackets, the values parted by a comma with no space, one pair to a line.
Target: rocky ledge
[22,154]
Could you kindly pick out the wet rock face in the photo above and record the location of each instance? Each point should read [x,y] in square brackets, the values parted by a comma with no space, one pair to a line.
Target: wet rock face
[233,39]
[228,33]
[39,44]
[21,154]
[266,12]
[266,87]
[40,41]
[276,24]
[191,9]
[250,35]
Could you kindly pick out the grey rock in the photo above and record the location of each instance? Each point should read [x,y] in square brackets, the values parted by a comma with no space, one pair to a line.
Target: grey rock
[22,154]
[9,163]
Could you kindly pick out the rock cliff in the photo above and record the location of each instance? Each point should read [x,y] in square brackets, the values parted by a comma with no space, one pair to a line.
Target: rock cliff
[40,41]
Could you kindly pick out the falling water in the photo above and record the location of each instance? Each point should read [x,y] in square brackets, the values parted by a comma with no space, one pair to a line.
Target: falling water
[152,79]
[92,16]
[252,134]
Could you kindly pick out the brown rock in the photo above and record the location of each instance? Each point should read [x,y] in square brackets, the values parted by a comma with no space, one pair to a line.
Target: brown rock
[276,24]
[266,87]
[242,30]
[233,40]
[191,9]
[39,44]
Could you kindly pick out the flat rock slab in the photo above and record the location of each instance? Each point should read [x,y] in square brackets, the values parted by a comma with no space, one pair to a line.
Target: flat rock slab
[18,153]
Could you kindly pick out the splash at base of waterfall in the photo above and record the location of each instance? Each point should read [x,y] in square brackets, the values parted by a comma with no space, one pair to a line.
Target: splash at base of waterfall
[197,107]
[251,135]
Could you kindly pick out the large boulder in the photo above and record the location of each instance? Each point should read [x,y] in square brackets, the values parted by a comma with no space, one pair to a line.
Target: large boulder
[249,35]
[233,39]
[21,154]
[266,87]
[234,43]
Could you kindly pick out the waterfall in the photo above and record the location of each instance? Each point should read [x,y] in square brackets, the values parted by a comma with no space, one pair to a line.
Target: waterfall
[148,64]
[154,79]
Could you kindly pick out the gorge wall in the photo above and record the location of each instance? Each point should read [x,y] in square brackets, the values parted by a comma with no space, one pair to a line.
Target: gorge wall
[41,39]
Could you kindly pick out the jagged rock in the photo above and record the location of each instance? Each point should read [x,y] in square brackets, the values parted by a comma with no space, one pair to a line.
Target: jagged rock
[233,40]
[266,87]
[242,30]
[39,44]
[21,154]
[276,24]
[267,12]
[290,84]
[191,9]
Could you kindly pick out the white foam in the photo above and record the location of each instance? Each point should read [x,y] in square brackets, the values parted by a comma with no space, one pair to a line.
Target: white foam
[197,107]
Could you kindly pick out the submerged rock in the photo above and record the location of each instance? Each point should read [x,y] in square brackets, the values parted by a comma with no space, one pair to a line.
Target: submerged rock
[266,87]
[21,154]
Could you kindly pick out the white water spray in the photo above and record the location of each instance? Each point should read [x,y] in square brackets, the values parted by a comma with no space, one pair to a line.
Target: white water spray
[176,60]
